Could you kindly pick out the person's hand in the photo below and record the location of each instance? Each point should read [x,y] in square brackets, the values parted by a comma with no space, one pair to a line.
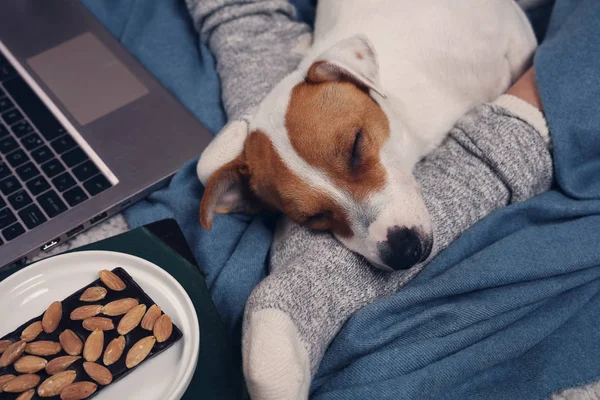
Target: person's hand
[525,88]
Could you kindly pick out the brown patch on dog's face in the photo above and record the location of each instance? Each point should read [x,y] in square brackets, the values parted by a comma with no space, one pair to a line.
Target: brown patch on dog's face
[278,187]
[339,129]
[335,127]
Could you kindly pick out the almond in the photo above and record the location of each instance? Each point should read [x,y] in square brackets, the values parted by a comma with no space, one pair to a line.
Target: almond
[93,345]
[84,312]
[30,364]
[28,395]
[4,379]
[78,391]
[70,342]
[139,351]
[111,280]
[98,372]
[21,383]
[119,307]
[95,293]
[163,328]
[151,317]
[131,319]
[32,331]
[56,383]
[52,317]
[114,350]
[59,364]
[93,323]
[13,352]
[4,345]
[43,348]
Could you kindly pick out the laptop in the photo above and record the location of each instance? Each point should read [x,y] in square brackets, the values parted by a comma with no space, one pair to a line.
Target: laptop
[85,130]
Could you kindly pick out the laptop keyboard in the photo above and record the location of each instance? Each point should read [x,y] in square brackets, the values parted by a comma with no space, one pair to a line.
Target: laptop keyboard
[43,171]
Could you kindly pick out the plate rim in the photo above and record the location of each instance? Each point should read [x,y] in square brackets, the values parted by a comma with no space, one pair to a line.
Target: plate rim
[188,374]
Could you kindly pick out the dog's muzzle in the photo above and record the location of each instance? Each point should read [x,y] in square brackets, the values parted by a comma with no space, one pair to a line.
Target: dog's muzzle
[404,248]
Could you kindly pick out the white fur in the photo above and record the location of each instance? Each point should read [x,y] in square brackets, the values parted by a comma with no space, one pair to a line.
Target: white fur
[432,61]
[344,57]
[224,148]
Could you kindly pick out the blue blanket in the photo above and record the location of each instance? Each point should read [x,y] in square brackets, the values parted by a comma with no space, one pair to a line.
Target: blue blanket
[509,311]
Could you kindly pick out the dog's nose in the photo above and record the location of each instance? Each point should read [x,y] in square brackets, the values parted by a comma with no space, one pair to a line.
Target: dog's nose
[403,248]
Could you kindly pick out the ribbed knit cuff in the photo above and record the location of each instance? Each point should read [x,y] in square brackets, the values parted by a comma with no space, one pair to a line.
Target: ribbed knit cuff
[525,111]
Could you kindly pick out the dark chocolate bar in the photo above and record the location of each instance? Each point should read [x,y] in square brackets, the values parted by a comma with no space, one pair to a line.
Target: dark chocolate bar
[119,370]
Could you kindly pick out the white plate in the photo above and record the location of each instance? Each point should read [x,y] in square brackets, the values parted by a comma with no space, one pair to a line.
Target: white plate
[28,293]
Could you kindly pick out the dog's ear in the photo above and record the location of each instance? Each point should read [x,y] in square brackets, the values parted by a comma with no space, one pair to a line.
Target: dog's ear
[353,59]
[228,191]
[224,148]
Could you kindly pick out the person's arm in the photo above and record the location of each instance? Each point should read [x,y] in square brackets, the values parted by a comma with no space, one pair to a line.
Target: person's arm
[526,89]
[255,43]
[496,155]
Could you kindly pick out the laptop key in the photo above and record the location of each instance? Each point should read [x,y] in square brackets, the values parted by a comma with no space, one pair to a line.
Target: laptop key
[10,185]
[34,108]
[52,168]
[12,116]
[7,145]
[6,72]
[2,203]
[22,128]
[63,144]
[85,171]
[6,218]
[74,157]
[53,132]
[27,171]
[97,184]
[42,154]
[5,104]
[4,170]
[63,182]
[51,203]
[38,185]
[3,130]
[75,196]
[32,216]
[32,141]
[19,199]
[13,231]
[17,158]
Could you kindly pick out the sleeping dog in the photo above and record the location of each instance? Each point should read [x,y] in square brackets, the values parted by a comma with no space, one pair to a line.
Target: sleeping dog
[333,145]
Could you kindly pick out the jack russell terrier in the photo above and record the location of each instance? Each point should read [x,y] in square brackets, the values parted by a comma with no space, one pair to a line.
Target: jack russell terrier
[333,145]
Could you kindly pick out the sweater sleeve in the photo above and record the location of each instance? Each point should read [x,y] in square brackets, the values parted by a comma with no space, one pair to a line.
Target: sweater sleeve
[256,43]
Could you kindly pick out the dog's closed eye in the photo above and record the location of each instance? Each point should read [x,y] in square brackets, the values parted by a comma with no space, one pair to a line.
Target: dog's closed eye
[355,156]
